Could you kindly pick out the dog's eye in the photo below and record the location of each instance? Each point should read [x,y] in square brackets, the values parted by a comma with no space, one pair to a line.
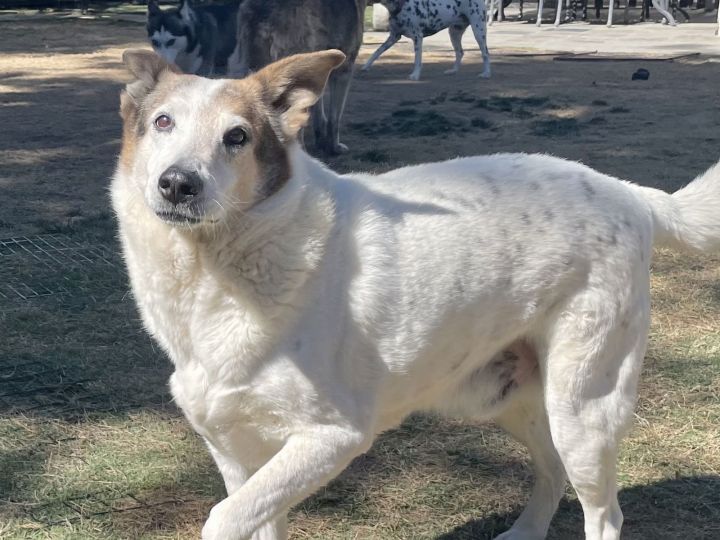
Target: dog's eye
[163,122]
[155,42]
[235,137]
[170,42]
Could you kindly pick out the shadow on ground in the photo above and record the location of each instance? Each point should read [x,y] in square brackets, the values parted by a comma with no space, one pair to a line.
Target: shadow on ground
[670,506]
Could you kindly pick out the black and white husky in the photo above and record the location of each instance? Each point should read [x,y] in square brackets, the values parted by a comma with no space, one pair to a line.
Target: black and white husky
[198,40]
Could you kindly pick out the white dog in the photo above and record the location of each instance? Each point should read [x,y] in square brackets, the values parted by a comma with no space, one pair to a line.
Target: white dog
[419,18]
[306,312]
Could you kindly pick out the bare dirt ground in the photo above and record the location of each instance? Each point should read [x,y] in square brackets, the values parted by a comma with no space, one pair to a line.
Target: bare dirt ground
[90,447]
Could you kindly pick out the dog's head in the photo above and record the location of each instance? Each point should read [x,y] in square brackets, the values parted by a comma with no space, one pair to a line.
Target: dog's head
[201,150]
[170,31]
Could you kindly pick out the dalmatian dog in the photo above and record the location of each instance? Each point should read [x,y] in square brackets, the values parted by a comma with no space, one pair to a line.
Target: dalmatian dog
[417,19]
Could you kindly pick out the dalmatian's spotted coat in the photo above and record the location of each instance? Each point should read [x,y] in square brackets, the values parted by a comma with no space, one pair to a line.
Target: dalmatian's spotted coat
[419,18]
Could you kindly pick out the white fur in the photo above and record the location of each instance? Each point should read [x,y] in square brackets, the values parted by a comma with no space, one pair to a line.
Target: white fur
[419,18]
[340,304]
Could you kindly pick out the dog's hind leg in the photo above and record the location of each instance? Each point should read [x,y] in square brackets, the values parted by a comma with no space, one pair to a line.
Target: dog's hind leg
[389,42]
[594,357]
[526,420]
[335,97]
[417,44]
[478,21]
[456,32]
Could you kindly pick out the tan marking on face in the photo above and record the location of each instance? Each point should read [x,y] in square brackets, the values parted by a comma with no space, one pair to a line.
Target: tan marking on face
[265,168]
[272,105]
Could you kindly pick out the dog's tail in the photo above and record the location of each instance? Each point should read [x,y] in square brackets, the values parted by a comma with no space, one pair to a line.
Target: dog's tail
[690,217]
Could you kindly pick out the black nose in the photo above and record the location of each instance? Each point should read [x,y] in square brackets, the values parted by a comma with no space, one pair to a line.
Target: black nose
[179,186]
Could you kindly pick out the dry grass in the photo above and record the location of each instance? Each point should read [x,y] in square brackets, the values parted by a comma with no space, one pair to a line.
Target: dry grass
[90,448]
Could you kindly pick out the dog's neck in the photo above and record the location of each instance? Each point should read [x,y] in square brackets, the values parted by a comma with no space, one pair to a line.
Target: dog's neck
[394,7]
[260,261]
[269,251]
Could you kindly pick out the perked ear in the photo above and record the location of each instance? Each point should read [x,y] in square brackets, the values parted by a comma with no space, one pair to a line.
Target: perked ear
[185,10]
[294,84]
[153,7]
[147,68]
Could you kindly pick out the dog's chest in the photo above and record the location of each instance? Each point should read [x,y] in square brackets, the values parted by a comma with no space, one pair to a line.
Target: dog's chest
[190,62]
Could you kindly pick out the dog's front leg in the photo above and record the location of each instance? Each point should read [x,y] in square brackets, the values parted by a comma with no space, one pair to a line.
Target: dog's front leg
[306,462]
[235,474]
[417,42]
[389,42]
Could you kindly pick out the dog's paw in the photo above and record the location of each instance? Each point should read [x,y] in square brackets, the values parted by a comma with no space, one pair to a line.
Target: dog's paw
[451,71]
[485,75]
[340,148]
[414,77]
[365,67]
[223,524]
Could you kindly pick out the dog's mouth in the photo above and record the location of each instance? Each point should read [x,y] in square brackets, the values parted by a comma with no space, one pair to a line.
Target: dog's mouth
[179,218]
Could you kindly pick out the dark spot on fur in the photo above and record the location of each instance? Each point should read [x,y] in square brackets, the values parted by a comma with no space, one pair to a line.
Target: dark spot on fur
[549,215]
[507,388]
[589,190]
[525,218]
[534,186]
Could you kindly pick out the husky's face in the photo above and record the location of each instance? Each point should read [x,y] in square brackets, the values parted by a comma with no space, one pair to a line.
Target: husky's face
[199,151]
[169,31]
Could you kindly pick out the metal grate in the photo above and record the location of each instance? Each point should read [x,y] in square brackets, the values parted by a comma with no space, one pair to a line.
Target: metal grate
[49,264]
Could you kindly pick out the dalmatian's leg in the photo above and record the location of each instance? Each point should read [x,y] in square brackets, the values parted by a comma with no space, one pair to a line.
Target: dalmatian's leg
[478,22]
[558,13]
[662,6]
[539,13]
[389,42]
[456,32]
[417,43]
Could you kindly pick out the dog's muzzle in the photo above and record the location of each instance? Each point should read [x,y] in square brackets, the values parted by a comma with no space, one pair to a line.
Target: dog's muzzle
[178,186]
[182,190]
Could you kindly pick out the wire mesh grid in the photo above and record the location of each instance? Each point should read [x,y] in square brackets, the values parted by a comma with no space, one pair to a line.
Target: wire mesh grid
[48,264]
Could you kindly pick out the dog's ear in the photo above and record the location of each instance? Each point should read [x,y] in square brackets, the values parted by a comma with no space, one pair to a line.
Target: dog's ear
[185,10]
[147,68]
[294,84]
[153,7]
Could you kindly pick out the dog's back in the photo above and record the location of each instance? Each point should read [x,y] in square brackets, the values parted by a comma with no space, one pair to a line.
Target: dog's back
[273,29]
